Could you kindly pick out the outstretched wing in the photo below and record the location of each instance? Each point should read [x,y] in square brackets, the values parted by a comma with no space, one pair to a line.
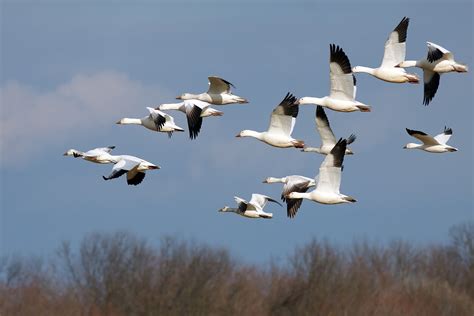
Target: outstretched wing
[283,117]
[436,52]
[218,85]
[431,83]
[158,117]
[259,201]
[242,204]
[340,73]
[120,168]
[336,156]
[292,205]
[323,127]
[193,115]
[395,46]
[425,138]
[445,136]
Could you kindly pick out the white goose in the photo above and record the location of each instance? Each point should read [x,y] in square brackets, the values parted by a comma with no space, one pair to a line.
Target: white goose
[218,93]
[156,121]
[282,122]
[438,61]
[98,155]
[294,183]
[343,85]
[431,144]
[394,54]
[329,179]
[195,110]
[252,209]
[133,166]
[327,136]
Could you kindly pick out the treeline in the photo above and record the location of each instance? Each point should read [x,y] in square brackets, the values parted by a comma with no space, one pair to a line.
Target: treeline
[120,274]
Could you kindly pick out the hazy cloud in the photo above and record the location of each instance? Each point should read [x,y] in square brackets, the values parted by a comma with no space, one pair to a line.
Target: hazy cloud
[32,119]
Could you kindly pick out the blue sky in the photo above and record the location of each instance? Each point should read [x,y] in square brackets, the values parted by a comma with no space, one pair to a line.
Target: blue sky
[71,70]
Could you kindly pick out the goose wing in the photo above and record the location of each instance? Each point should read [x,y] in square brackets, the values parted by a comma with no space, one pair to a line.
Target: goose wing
[444,136]
[135,177]
[193,115]
[323,127]
[241,204]
[431,84]
[218,85]
[425,138]
[296,184]
[283,117]
[436,52]
[340,73]
[258,201]
[121,168]
[158,117]
[395,46]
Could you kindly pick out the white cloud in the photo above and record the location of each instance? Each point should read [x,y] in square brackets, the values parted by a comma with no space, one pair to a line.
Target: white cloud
[31,120]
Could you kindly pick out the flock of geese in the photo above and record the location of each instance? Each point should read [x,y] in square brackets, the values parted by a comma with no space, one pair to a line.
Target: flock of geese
[341,98]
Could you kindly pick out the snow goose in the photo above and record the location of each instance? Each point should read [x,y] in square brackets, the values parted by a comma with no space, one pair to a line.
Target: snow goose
[252,209]
[218,93]
[294,183]
[329,179]
[439,60]
[282,122]
[133,166]
[394,54]
[98,155]
[195,110]
[343,85]
[431,144]
[327,136]
[156,121]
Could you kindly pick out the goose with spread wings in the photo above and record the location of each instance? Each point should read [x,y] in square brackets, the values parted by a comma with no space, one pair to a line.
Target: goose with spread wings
[219,93]
[328,181]
[431,144]
[343,85]
[157,121]
[253,208]
[328,140]
[394,54]
[438,61]
[132,166]
[293,183]
[282,122]
[98,155]
[195,110]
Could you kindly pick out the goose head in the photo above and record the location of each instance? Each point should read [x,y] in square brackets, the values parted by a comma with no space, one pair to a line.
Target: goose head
[224,209]
[410,146]
[145,165]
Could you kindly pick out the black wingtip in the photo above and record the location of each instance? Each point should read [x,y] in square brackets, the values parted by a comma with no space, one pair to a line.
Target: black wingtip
[105,178]
[448,131]
[337,55]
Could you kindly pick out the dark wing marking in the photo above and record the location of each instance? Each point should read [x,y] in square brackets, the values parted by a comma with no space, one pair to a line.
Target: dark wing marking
[274,201]
[242,207]
[448,131]
[434,54]
[170,134]
[401,29]
[338,152]
[287,106]
[159,120]
[321,114]
[292,205]
[137,179]
[413,133]
[338,56]
[351,139]
[354,80]
[430,88]
[194,121]
[115,174]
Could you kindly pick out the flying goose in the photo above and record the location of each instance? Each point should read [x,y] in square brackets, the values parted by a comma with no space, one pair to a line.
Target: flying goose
[343,85]
[394,54]
[293,183]
[195,110]
[329,179]
[431,144]
[439,60]
[133,166]
[156,121]
[98,155]
[282,122]
[252,209]
[327,136]
[218,93]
